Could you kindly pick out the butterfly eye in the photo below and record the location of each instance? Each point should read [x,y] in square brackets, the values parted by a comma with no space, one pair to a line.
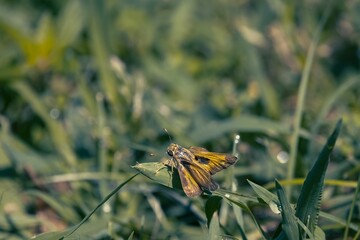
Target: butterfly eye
[170,153]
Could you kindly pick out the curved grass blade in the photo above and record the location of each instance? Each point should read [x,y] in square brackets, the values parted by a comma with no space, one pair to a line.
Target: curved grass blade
[302,94]
[98,206]
[353,204]
[53,236]
[339,221]
[65,212]
[268,197]
[344,88]
[240,201]
[215,129]
[214,228]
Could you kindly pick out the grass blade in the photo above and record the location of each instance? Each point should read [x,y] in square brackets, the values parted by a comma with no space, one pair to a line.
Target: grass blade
[214,228]
[353,204]
[98,206]
[302,96]
[308,203]
[289,224]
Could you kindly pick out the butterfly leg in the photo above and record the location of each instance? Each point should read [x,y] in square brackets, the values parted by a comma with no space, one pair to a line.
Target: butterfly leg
[164,164]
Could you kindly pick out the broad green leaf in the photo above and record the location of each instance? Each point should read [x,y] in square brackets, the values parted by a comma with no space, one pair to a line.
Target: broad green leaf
[263,193]
[158,172]
[310,196]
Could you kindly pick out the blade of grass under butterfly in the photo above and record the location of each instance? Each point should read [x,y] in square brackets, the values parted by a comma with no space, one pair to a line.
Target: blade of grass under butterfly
[98,206]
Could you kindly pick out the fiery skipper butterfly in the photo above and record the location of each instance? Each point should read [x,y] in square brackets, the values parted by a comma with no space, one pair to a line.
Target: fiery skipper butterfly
[196,166]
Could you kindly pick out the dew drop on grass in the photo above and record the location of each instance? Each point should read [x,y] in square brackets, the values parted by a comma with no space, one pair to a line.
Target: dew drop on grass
[282,157]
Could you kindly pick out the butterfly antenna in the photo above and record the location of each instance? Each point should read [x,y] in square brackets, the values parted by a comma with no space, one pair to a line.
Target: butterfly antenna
[168,134]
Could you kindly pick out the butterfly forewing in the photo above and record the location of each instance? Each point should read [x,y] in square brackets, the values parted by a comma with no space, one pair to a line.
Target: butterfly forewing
[211,161]
[201,176]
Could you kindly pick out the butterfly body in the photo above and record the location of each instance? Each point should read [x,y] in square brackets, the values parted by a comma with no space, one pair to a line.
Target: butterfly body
[196,166]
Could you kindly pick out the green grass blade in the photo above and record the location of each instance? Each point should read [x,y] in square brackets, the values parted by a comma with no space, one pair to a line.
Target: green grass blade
[302,96]
[212,205]
[267,196]
[69,30]
[289,224]
[241,202]
[65,212]
[339,221]
[353,204]
[308,203]
[214,228]
[215,129]
[53,236]
[98,206]
[344,88]
[100,45]
[131,236]
[319,234]
[57,132]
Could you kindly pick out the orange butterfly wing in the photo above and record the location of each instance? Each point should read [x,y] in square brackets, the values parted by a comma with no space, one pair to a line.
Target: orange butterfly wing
[188,183]
[194,179]
[211,161]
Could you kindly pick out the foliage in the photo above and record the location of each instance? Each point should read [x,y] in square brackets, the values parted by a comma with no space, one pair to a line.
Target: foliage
[86,88]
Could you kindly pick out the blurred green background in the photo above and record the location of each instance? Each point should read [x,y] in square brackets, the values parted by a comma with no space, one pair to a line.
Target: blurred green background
[86,88]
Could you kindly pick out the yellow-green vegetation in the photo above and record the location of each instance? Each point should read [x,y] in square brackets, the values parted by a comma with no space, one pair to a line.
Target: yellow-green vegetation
[87,88]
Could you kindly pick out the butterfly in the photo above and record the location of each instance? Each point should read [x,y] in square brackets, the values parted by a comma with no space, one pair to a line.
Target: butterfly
[196,165]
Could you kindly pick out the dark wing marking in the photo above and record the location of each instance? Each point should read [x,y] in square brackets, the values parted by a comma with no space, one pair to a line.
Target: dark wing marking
[213,162]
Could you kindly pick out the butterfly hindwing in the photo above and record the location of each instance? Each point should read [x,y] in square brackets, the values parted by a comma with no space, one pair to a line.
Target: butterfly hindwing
[189,184]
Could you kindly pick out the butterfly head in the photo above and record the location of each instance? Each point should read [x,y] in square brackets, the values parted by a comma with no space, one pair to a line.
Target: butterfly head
[172,149]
